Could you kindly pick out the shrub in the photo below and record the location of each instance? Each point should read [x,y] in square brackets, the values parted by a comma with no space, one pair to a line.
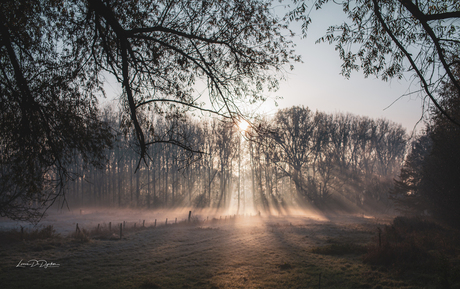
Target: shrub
[25,234]
[411,241]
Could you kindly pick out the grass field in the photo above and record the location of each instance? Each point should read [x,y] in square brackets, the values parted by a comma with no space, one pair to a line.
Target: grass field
[238,252]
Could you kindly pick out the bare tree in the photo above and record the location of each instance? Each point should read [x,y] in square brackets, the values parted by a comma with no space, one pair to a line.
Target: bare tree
[294,133]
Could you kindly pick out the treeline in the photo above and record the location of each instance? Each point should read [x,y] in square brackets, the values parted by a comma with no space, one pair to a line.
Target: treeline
[297,157]
[326,159]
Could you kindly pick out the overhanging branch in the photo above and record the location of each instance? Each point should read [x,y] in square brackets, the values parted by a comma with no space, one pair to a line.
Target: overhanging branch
[412,62]
[421,17]
[183,103]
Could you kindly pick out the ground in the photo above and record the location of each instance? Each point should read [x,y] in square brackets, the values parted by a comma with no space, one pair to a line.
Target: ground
[220,252]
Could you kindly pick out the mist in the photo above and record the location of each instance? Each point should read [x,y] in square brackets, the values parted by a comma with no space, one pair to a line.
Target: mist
[295,163]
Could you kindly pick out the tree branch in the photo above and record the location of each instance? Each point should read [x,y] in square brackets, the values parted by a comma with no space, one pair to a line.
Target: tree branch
[132,32]
[107,14]
[409,57]
[181,102]
[441,16]
[176,143]
[420,16]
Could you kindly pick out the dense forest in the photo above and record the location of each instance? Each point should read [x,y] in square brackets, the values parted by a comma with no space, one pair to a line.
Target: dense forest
[295,158]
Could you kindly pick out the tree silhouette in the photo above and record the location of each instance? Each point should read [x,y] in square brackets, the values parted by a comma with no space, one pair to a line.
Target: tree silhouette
[53,54]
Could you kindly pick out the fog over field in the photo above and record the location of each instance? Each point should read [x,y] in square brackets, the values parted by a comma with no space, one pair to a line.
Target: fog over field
[64,221]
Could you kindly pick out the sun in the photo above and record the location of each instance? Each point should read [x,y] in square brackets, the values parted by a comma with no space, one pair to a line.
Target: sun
[243,125]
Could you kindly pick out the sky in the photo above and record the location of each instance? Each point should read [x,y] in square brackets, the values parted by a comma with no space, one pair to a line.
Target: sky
[316,83]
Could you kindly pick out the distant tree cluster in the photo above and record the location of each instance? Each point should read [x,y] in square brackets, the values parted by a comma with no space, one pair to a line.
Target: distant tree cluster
[190,164]
[296,158]
[327,158]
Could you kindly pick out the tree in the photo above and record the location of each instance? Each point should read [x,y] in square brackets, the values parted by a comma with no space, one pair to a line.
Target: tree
[226,149]
[158,50]
[48,110]
[429,178]
[440,183]
[386,37]
[294,133]
[407,192]
[54,53]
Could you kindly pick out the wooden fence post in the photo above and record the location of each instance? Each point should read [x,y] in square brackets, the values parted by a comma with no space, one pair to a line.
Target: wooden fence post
[155,223]
[121,231]
[166,221]
[110,226]
[175,222]
[77,230]
[143,223]
[189,215]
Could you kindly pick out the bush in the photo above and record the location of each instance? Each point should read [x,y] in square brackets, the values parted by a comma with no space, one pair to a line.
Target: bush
[24,234]
[411,241]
